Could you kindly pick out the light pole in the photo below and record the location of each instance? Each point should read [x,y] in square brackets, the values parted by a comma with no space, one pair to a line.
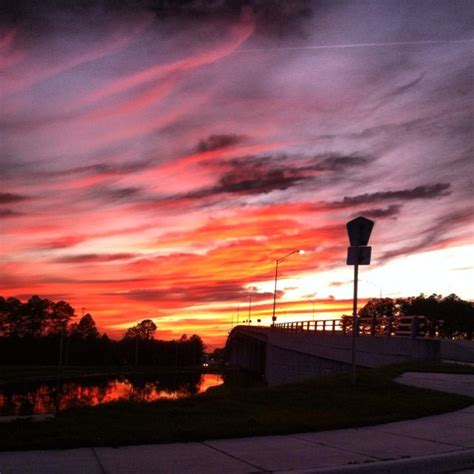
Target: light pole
[250,304]
[277,262]
[376,286]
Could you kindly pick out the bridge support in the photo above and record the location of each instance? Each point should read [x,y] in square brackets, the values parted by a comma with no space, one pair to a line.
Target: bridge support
[281,357]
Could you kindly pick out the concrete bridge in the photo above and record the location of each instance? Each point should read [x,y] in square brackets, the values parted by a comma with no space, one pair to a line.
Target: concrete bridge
[297,351]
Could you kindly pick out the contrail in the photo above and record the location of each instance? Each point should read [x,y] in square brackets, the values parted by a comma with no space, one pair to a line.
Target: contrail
[357,45]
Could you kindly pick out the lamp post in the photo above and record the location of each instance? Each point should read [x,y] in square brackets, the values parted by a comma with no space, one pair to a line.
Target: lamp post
[376,286]
[277,262]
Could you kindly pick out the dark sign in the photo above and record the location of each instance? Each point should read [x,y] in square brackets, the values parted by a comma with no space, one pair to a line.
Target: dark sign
[359,230]
[359,255]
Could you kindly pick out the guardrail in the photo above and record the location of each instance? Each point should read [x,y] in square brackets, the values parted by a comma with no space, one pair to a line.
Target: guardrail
[405,326]
[319,325]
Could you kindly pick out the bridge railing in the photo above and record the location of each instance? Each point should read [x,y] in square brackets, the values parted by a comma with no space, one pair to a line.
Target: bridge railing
[319,325]
[405,326]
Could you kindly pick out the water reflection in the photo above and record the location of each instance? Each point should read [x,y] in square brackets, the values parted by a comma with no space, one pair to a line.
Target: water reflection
[52,397]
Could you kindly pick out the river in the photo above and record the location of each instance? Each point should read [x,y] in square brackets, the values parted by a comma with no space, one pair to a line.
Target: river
[31,398]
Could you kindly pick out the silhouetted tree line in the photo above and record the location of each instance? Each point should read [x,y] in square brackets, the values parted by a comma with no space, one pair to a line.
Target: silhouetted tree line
[447,317]
[40,332]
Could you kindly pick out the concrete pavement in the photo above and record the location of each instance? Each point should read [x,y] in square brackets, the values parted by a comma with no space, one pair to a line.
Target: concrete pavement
[452,383]
[442,443]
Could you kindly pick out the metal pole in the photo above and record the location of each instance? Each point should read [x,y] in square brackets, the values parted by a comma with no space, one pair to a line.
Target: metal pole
[355,328]
[250,305]
[275,293]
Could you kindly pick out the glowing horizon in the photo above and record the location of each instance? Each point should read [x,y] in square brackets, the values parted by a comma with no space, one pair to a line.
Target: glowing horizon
[156,165]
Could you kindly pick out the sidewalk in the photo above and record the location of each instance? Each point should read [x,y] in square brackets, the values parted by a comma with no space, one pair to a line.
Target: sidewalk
[442,443]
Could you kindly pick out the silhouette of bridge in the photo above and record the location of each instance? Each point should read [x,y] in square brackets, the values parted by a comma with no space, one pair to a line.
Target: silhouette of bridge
[288,352]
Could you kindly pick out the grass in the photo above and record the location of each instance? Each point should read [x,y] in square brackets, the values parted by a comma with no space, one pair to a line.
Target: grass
[323,404]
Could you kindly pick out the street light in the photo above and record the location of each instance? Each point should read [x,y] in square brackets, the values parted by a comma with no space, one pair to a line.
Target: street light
[376,286]
[277,262]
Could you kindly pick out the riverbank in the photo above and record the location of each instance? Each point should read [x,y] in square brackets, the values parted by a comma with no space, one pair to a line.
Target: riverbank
[229,411]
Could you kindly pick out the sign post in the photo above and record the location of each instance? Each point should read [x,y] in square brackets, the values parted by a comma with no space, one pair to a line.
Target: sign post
[359,230]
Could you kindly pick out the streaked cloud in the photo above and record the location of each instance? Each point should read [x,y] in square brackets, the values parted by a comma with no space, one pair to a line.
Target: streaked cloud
[157,158]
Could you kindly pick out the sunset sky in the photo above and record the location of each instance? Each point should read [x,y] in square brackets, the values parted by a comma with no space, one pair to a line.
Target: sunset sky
[156,161]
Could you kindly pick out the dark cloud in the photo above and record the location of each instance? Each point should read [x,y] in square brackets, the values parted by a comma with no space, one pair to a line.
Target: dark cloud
[253,175]
[273,17]
[390,211]
[431,191]
[215,142]
[60,242]
[7,213]
[10,198]
[106,168]
[216,292]
[112,194]
[107,281]
[95,258]
[250,181]
[122,193]
[336,162]
[257,181]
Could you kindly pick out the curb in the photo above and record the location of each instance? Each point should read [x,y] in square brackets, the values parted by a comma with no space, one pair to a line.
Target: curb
[437,463]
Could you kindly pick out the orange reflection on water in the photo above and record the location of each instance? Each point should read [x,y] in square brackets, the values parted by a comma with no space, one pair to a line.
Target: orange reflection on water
[55,397]
[209,380]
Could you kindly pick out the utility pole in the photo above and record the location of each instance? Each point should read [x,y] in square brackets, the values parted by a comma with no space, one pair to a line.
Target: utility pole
[250,305]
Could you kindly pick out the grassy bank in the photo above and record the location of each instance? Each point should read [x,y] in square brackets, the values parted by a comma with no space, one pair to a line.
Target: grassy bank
[328,403]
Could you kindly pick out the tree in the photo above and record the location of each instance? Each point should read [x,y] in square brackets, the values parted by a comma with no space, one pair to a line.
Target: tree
[447,317]
[10,317]
[144,330]
[458,316]
[60,315]
[4,312]
[197,348]
[34,316]
[378,307]
[85,329]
